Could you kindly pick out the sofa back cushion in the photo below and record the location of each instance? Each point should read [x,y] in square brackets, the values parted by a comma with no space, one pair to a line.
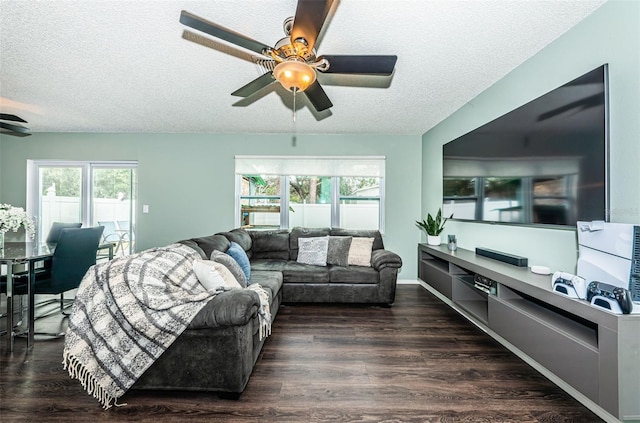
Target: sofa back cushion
[299,232]
[210,243]
[361,233]
[273,244]
[240,237]
[192,244]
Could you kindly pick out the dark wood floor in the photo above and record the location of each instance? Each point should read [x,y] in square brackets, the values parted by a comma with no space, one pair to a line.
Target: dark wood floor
[415,362]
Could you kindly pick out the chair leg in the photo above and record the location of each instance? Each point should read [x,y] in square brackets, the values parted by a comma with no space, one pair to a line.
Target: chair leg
[62,305]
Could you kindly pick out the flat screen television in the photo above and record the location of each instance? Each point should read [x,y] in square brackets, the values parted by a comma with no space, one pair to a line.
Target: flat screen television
[544,163]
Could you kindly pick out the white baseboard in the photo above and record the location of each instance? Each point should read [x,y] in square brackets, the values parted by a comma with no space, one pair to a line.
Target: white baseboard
[407,282]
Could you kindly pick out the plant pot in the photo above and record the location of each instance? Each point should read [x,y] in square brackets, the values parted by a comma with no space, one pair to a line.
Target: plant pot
[433,239]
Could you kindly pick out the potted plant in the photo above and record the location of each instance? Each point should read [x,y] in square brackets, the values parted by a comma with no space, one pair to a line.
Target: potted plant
[11,219]
[433,227]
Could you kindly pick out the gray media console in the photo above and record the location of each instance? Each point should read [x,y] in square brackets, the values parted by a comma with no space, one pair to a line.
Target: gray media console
[591,353]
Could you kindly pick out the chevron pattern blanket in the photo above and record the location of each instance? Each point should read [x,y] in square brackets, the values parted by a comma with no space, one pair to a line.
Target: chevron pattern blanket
[127,312]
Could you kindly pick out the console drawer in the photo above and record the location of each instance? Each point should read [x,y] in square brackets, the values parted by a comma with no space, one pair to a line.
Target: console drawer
[436,277]
[565,354]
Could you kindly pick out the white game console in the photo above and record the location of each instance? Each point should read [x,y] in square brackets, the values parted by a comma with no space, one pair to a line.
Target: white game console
[610,253]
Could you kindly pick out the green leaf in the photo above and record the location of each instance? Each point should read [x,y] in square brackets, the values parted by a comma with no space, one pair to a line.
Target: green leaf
[433,226]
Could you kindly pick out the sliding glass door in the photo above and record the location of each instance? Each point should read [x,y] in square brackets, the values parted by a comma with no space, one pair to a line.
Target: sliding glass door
[59,196]
[112,204]
[93,193]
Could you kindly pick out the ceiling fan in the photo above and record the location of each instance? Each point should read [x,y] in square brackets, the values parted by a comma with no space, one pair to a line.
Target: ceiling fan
[13,128]
[294,56]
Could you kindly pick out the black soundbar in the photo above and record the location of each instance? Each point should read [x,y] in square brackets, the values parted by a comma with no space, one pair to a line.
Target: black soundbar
[505,257]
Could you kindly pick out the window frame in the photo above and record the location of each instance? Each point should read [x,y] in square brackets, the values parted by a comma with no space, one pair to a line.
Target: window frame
[336,197]
[86,193]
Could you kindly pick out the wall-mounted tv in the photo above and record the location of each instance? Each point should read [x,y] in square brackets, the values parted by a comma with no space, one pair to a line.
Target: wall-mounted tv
[544,163]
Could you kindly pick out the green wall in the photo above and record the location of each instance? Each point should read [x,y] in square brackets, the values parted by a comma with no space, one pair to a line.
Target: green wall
[204,164]
[610,35]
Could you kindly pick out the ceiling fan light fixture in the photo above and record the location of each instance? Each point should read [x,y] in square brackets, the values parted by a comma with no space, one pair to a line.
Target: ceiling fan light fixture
[293,74]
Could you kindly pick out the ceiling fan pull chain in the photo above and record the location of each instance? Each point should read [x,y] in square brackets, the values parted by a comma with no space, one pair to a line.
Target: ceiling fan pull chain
[294,104]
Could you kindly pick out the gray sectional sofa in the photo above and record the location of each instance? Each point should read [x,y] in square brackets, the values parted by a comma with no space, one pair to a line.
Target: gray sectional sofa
[218,350]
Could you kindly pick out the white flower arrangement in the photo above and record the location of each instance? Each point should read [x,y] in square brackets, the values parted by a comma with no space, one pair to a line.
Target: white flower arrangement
[12,218]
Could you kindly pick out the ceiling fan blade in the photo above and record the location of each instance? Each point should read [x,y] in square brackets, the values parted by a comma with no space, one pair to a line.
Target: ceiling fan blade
[255,85]
[366,65]
[310,16]
[15,128]
[318,97]
[14,118]
[221,32]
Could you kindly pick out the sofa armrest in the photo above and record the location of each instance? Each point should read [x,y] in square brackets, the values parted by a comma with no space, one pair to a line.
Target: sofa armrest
[231,308]
[385,258]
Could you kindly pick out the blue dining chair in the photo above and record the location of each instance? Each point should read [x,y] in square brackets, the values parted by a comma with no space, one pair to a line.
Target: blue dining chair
[75,252]
[56,230]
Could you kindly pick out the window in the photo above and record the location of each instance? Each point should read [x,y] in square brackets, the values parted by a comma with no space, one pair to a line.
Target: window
[93,193]
[260,201]
[359,202]
[343,192]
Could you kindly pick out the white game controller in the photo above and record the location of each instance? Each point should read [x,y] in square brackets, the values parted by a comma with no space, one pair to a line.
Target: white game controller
[570,285]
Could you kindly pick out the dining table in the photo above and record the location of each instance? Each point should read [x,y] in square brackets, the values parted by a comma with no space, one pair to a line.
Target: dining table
[24,256]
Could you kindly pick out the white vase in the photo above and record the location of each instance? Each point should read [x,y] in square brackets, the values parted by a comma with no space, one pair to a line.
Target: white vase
[433,239]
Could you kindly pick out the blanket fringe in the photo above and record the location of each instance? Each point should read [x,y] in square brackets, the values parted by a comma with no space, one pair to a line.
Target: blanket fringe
[264,314]
[89,383]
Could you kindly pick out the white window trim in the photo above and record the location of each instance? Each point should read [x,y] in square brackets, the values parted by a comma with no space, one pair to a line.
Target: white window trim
[333,166]
[33,205]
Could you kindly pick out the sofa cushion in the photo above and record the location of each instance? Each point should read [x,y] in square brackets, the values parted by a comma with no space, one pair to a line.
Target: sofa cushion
[299,232]
[360,252]
[192,244]
[362,233]
[353,274]
[301,273]
[313,250]
[271,265]
[240,237]
[270,281]
[212,242]
[270,244]
[239,255]
[231,264]
[214,276]
[338,251]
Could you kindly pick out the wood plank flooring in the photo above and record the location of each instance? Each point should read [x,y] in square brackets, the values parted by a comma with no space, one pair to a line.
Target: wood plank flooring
[417,361]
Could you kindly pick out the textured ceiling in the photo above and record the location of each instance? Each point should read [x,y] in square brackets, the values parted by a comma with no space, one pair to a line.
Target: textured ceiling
[130,66]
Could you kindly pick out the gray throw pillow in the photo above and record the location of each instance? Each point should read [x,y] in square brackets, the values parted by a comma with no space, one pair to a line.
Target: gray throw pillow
[313,250]
[231,264]
[338,253]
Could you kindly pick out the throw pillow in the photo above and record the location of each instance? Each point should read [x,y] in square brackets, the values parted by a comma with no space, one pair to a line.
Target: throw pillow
[231,264]
[338,252]
[360,252]
[211,276]
[240,256]
[313,250]
[229,280]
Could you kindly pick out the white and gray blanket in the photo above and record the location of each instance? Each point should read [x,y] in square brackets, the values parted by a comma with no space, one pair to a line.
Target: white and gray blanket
[127,312]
